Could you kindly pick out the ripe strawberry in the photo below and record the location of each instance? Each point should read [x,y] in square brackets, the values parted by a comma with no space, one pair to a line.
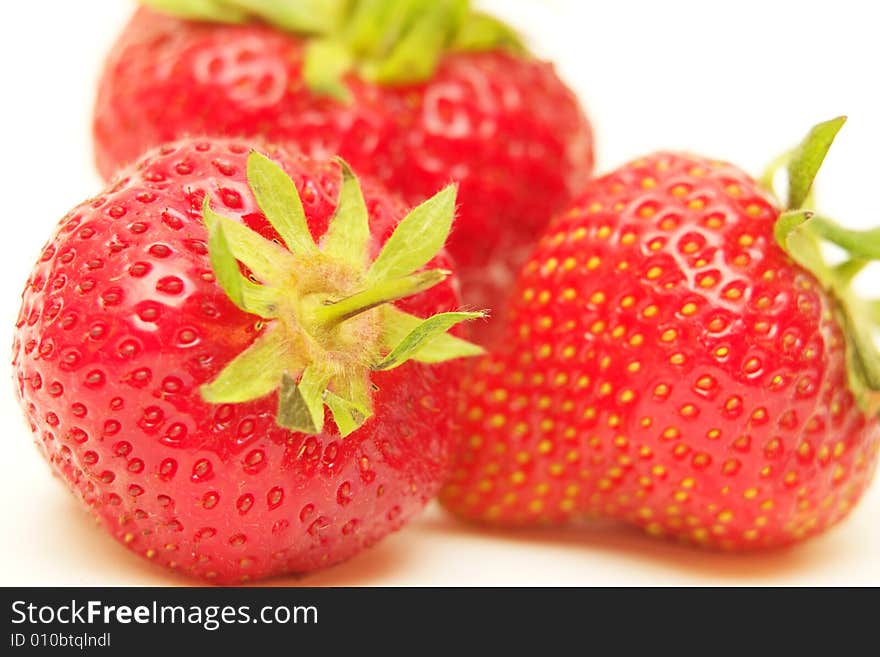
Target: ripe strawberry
[667,363]
[152,392]
[437,93]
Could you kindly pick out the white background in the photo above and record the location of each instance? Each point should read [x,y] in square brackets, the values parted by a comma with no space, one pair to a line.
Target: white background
[735,80]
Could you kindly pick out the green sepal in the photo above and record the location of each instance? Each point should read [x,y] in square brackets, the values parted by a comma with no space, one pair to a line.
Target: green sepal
[301,405]
[203,10]
[484,32]
[252,298]
[326,63]
[864,349]
[348,234]
[417,238]
[268,261]
[279,200]
[300,16]
[438,349]
[252,374]
[793,234]
[374,24]
[416,55]
[806,160]
[422,335]
[349,402]
[873,309]
[347,417]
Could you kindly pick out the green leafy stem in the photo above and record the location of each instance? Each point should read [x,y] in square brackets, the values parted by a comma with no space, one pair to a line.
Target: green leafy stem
[388,42]
[326,313]
[800,231]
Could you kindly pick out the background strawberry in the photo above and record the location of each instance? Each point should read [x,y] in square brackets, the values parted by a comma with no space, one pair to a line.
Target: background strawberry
[669,364]
[151,391]
[437,94]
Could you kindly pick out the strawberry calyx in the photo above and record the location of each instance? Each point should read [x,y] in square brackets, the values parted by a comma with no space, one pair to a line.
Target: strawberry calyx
[389,43]
[324,312]
[800,232]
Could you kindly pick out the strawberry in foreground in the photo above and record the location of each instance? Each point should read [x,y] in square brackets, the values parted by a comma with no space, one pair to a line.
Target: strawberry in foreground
[415,93]
[680,357]
[176,376]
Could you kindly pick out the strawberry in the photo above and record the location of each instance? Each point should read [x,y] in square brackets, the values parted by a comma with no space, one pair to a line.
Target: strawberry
[415,93]
[182,333]
[680,357]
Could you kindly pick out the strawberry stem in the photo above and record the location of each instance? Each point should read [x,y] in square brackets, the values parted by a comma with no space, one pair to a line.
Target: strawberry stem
[800,233]
[295,354]
[377,295]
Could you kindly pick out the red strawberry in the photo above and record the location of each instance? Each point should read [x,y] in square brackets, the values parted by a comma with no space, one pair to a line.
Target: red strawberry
[152,392]
[438,93]
[667,363]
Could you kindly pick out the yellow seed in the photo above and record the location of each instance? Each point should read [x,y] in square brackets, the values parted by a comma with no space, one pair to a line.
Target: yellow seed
[669,335]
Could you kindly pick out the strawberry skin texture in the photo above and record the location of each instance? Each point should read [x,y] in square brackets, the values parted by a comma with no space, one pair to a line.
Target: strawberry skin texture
[503,126]
[666,363]
[122,321]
